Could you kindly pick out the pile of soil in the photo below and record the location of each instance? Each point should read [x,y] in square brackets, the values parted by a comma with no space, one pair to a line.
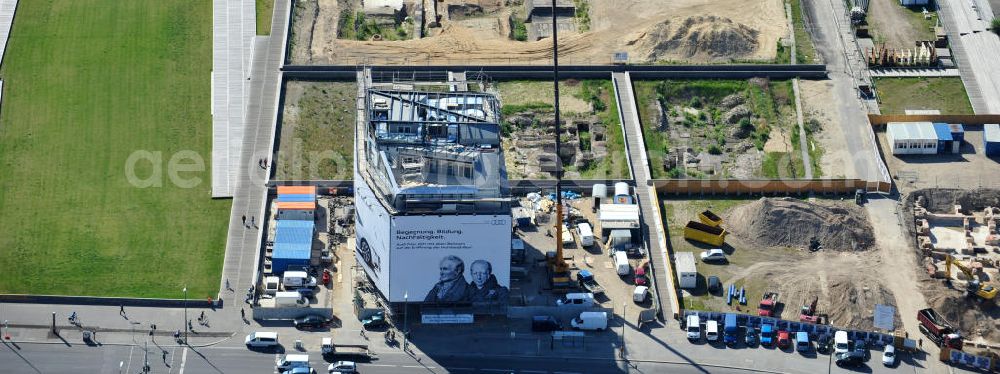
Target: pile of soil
[969,315]
[793,223]
[702,36]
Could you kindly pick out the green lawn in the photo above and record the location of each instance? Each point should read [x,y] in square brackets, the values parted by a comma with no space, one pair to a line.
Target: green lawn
[88,83]
[313,145]
[265,8]
[944,94]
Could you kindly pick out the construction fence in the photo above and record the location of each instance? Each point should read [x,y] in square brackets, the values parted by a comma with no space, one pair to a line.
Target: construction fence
[766,186]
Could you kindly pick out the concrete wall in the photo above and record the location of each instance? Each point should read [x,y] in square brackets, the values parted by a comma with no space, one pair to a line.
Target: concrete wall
[765,187]
[438,72]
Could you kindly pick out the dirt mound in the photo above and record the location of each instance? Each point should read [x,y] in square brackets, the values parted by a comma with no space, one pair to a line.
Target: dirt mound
[786,222]
[969,315]
[703,36]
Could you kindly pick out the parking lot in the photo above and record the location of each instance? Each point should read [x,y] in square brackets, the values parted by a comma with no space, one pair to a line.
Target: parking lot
[963,170]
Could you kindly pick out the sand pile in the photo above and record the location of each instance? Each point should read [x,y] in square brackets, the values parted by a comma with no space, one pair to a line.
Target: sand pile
[716,38]
[786,222]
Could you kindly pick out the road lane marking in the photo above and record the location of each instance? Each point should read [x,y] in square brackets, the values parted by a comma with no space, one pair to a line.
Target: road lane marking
[184,358]
[128,369]
[534,371]
[499,370]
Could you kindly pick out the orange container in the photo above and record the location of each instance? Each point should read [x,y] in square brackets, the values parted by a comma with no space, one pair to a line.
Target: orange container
[296,190]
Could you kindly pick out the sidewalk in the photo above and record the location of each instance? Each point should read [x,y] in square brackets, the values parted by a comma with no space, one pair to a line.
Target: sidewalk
[32,323]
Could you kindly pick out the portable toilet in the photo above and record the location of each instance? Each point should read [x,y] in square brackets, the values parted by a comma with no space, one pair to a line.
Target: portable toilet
[991,139]
[957,132]
[599,192]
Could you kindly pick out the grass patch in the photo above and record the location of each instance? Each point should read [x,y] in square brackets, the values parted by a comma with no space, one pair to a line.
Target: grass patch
[81,98]
[355,26]
[582,15]
[265,9]
[520,32]
[770,103]
[805,52]
[945,94]
[313,145]
[577,99]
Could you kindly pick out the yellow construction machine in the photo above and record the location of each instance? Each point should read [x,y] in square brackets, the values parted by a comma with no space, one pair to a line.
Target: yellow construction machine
[974,287]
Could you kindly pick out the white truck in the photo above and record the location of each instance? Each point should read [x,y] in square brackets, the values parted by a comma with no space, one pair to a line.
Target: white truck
[590,321]
[290,299]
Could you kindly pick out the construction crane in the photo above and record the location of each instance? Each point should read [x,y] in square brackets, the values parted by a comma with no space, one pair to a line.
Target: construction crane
[558,268]
[974,287]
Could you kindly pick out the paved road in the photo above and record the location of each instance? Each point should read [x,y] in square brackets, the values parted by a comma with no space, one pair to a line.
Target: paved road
[649,206]
[976,51]
[841,64]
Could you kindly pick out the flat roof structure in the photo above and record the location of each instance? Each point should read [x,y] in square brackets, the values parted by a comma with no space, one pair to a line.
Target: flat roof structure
[685,262]
[434,152]
[910,131]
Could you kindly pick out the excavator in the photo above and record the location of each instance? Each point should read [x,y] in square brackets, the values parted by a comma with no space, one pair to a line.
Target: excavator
[974,287]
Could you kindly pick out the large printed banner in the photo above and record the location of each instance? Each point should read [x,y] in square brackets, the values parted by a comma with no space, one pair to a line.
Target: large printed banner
[447,258]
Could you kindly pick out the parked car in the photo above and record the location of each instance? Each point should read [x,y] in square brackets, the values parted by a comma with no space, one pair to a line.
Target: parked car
[262,339]
[712,330]
[693,328]
[311,321]
[766,334]
[751,337]
[715,254]
[861,349]
[714,285]
[545,324]
[889,356]
[802,343]
[306,292]
[840,342]
[343,367]
[849,359]
[784,339]
[824,344]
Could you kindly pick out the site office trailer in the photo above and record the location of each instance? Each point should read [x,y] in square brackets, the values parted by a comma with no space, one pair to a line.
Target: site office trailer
[408,256]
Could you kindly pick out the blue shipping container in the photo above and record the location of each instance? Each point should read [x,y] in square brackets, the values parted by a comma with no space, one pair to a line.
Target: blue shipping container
[292,245]
[297,198]
[991,139]
[943,132]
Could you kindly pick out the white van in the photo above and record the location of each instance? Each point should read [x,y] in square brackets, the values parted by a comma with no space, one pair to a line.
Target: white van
[840,342]
[576,299]
[712,330]
[693,328]
[290,361]
[586,234]
[297,279]
[262,339]
[590,321]
[621,263]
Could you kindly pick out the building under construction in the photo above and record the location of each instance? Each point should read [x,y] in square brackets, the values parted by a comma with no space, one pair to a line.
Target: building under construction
[433,214]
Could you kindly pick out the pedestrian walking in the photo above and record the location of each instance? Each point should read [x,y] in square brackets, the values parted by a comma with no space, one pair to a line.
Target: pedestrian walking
[244,220]
[266,164]
[227,285]
[121,311]
[252,223]
[260,163]
[202,317]
[920,342]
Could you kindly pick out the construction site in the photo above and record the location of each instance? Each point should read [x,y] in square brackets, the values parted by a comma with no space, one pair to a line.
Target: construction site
[788,252]
[956,233]
[495,32]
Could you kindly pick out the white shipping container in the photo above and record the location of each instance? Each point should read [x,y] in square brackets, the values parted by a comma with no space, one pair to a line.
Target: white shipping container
[621,188]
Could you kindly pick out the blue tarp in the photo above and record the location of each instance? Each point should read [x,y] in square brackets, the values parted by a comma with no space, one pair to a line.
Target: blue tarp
[297,198]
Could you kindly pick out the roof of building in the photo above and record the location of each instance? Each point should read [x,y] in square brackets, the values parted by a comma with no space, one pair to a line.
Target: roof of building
[956,128]
[432,146]
[297,198]
[618,212]
[685,262]
[943,132]
[293,205]
[293,239]
[292,190]
[911,131]
[991,132]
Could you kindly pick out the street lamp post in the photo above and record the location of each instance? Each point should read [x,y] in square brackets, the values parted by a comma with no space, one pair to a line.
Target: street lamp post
[406,319]
[185,315]
[624,320]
